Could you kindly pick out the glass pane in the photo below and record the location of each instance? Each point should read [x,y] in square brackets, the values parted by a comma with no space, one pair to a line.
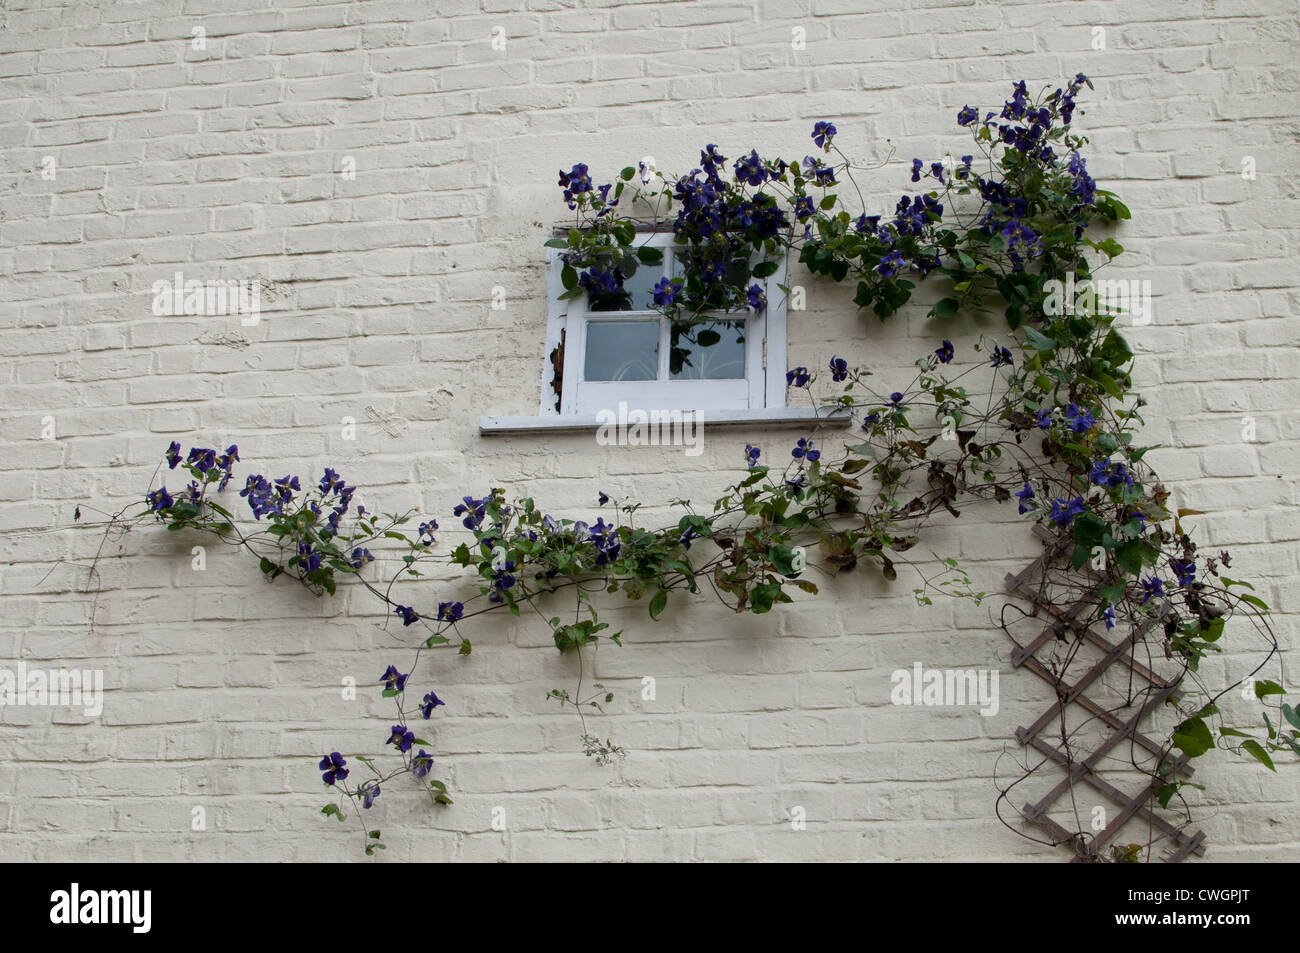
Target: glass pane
[637,293]
[710,350]
[622,351]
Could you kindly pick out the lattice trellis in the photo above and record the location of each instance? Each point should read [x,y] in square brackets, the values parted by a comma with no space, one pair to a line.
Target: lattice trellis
[1071,627]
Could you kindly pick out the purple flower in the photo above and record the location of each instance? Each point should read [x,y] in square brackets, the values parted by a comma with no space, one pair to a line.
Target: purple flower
[173,455]
[797,378]
[822,134]
[401,738]
[1078,420]
[751,170]
[576,180]
[409,615]
[1025,496]
[890,264]
[1001,355]
[757,297]
[334,767]
[896,398]
[159,500]
[665,293]
[1044,418]
[1185,570]
[1063,512]
[839,369]
[393,679]
[751,455]
[945,352]
[368,791]
[1151,587]
[422,764]
[431,701]
[804,451]
[450,611]
[967,115]
[1108,615]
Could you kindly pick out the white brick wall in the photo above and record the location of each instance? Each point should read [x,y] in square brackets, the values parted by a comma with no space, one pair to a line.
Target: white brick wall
[226,162]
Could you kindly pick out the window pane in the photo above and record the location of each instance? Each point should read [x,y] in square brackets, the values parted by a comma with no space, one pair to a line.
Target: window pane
[622,351]
[710,350]
[637,293]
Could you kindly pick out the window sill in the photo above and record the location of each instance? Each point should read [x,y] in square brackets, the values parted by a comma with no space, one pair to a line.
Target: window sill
[767,417]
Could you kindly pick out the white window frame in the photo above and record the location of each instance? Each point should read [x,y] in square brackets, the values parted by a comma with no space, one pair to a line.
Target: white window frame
[763,388]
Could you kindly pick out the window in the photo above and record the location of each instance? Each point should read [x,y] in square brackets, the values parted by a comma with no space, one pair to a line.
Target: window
[612,349]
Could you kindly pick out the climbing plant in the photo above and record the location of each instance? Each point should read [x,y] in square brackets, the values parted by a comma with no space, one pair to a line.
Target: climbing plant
[1043,417]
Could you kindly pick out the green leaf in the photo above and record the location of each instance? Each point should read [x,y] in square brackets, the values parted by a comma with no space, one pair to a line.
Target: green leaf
[1268,687]
[1039,341]
[1291,715]
[1253,748]
[945,308]
[761,598]
[649,254]
[1193,737]
[657,603]
[764,269]
[784,559]
[569,277]
[1255,601]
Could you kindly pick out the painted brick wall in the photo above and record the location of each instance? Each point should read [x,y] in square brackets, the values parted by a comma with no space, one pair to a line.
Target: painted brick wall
[228,162]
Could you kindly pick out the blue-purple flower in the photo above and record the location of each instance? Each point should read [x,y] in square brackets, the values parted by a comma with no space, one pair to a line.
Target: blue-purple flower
[665,292]
[1152,587]
[1185,570]
[401,738]
[803,450]
[798,377]
[422,764]
[334,767]
[1064,512]
[751,455]
[1077,419]
[431,701]
[945,352]
[822,134]
[393,679]
[409,615]
[839,369]
[1026,497]
[890,265]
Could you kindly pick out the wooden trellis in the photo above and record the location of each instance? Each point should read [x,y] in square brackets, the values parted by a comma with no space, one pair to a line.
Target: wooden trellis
[1072,625]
